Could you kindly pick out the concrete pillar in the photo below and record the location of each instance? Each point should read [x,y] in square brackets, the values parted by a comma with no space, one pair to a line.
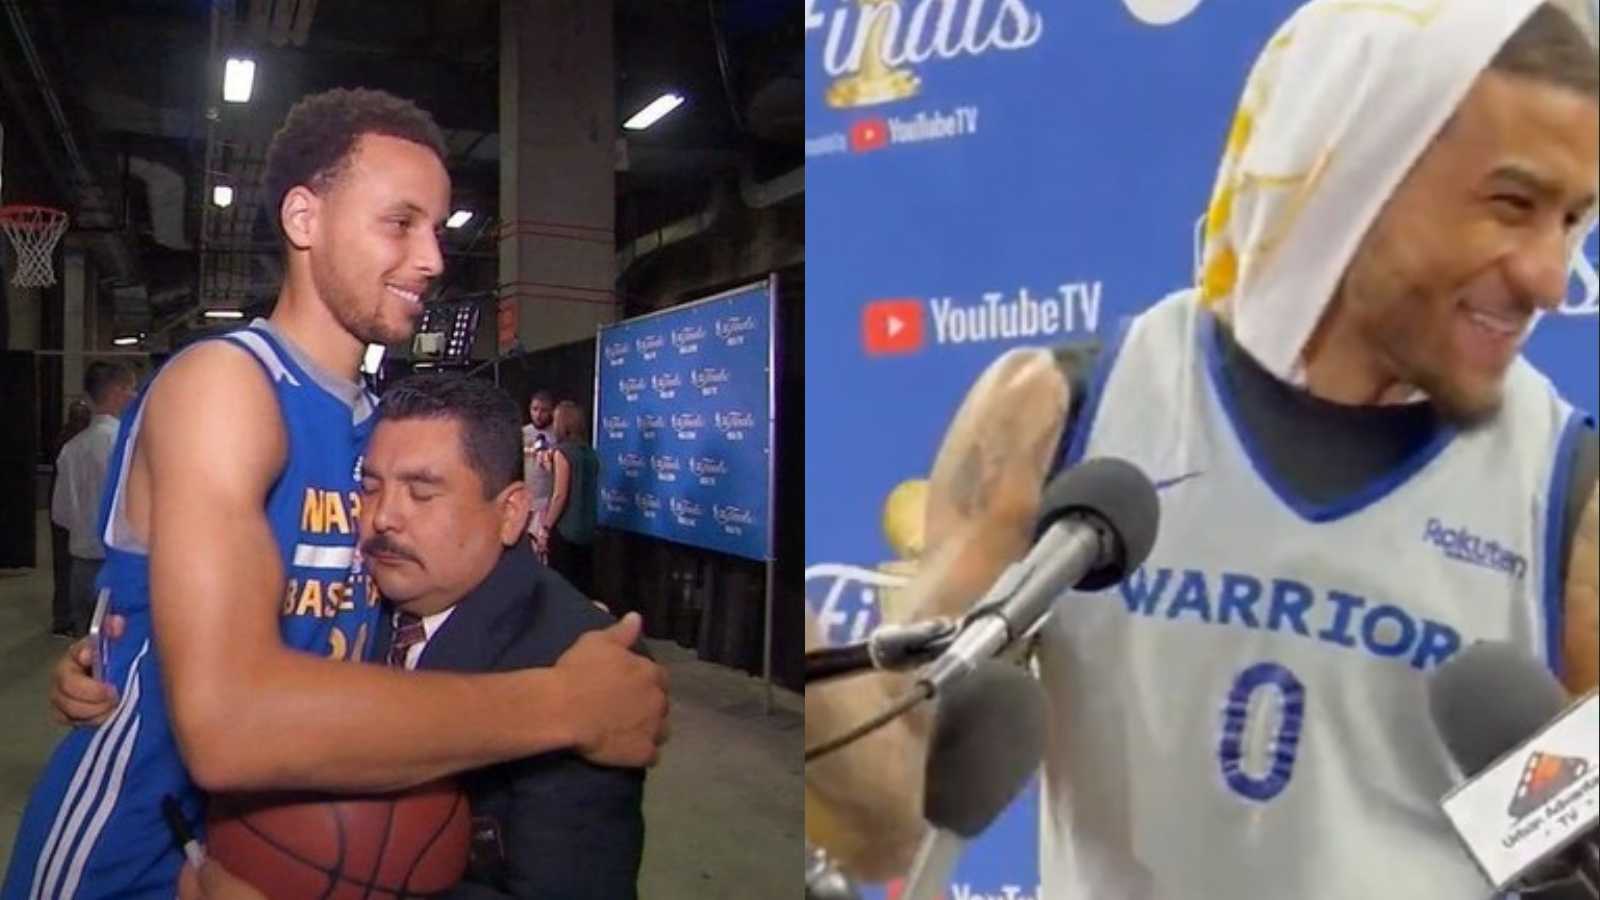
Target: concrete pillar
[558,130]
[24,316]
[75,308]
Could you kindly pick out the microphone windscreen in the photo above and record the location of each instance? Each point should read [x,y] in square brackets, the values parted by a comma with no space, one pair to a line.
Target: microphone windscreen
[988,738]
[1488,699]
[1117,494]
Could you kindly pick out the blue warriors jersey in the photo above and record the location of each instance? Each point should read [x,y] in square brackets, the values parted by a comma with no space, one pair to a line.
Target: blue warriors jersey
[93,827]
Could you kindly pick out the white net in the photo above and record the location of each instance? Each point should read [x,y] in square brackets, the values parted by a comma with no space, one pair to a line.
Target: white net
[33,231]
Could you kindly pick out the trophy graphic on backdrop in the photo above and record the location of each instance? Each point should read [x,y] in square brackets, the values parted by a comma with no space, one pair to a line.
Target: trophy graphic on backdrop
[874,82]
[849,600]
[903,527]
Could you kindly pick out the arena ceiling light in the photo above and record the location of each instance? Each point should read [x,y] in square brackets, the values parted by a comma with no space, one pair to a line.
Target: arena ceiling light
[222,196]
[458,218]
[653,112]
[238,78]
[224,314]
[125,341]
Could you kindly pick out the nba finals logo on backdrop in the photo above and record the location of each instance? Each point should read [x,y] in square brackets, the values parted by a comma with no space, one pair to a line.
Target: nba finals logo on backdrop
[732,330]
[844,599]
[707,468]
[733,519]
[648,504]
[687,425]
[649,345]
[1583,287]
[666,384]
[630,463]
[688,338]
[876,52]
[734,424]
[686,512]
[707,380]
[666,467]
[872,47]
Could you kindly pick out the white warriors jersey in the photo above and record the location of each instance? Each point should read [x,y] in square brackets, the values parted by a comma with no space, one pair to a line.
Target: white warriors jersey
[1245,718]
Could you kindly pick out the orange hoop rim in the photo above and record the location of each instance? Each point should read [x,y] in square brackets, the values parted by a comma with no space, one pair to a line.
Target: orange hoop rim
[16,215]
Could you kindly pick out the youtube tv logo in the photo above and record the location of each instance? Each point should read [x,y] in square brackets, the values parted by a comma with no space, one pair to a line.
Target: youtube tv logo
[892,327]
[869,134]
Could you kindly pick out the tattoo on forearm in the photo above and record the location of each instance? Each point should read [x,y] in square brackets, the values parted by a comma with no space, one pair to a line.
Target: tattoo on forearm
[975,474]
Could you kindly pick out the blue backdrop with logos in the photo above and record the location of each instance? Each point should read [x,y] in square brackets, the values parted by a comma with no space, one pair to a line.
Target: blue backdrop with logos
[683,403]
[1047,163]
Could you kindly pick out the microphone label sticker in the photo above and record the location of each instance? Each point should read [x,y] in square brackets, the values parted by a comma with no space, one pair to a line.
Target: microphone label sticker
[1525,807]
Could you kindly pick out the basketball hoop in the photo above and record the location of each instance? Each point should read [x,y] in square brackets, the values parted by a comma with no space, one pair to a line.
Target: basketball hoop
[34,231]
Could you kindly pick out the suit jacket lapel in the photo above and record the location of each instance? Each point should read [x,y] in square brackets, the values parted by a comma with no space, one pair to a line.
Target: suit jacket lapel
[478,630]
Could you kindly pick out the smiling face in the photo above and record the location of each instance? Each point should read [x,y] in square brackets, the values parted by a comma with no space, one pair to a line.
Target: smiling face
[1443,289]
[376,244]
[428,533]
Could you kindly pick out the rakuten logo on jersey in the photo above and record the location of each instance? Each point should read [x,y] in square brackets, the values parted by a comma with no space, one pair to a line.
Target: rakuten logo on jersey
[892,327]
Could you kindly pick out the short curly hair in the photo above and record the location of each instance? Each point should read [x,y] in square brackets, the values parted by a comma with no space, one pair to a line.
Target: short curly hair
[313,146]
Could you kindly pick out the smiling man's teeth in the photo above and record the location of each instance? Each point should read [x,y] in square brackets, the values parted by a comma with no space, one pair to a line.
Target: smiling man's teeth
[407,295]
[1494,323]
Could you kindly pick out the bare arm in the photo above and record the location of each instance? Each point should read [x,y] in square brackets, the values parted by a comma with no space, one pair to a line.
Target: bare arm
[1581,643]
[210,448]
[559,486]
[864,803]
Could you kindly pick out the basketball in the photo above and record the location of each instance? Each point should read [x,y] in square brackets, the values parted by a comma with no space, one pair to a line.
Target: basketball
[388,847]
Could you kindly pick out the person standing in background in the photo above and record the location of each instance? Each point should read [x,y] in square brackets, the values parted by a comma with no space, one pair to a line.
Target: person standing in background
[538,442]
[80,477]
[78,416]
[564,533]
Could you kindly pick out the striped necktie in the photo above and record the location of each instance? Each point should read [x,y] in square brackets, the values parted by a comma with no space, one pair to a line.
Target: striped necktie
[407,634]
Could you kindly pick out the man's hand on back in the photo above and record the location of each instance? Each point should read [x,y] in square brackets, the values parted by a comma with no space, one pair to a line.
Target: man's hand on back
[617,698]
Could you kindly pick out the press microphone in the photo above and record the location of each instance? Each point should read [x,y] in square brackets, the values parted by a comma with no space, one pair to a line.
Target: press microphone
[889,648]
[824,881]
[1098,523]
[988,737]
[1530,806]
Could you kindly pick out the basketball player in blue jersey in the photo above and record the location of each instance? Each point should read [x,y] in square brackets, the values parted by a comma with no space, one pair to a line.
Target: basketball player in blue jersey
[1359,476]
[230,527]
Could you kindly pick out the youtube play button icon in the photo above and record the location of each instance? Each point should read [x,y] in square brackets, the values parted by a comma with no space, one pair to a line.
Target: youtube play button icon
[891,327]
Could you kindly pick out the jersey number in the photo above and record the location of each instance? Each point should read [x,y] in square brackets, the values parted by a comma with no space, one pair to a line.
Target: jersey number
[1236,718]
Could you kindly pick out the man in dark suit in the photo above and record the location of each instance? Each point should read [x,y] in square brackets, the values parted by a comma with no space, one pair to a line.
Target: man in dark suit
[443,531]
[551,825]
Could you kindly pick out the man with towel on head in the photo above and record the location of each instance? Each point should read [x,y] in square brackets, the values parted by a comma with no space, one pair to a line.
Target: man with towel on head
[1359,477]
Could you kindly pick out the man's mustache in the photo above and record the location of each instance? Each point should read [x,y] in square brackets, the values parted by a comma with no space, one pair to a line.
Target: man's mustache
[381,544]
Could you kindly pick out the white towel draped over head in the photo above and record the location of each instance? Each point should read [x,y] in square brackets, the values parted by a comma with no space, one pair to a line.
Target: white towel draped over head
[1343,100]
